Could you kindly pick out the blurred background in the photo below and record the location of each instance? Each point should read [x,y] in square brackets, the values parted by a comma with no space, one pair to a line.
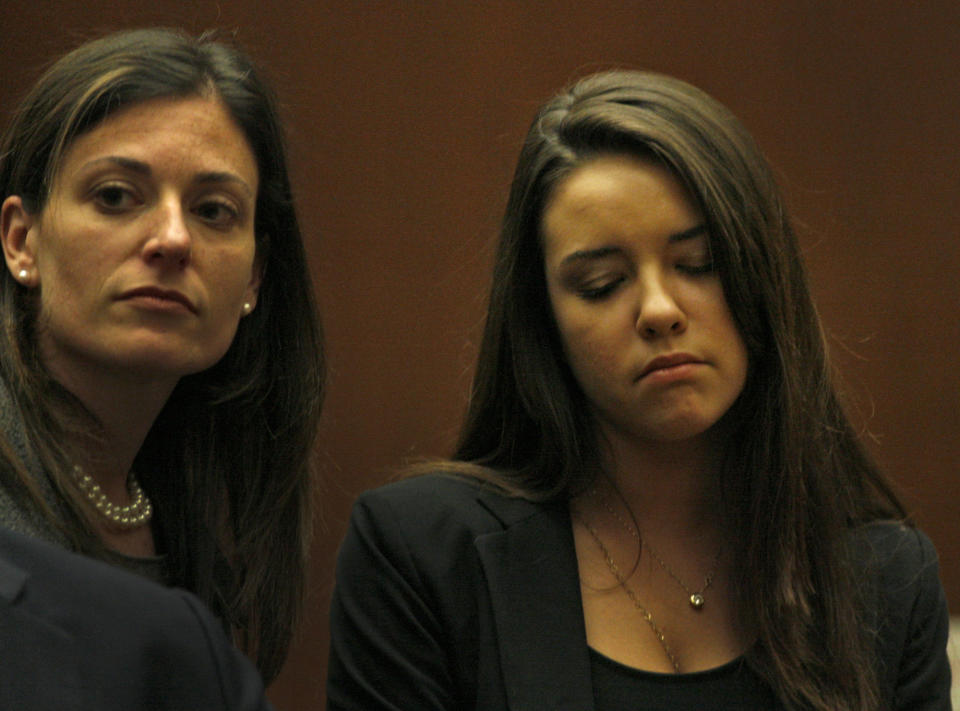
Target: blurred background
[404,120]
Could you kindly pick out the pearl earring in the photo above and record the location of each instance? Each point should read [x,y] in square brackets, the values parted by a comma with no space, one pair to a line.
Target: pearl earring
[247,308]
[23,274]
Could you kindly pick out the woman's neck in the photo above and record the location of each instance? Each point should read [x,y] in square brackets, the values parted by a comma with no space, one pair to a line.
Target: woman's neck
[669,486]
[125,413]
[125,408]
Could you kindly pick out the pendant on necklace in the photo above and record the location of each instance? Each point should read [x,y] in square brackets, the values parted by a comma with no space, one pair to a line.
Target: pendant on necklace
[696,601]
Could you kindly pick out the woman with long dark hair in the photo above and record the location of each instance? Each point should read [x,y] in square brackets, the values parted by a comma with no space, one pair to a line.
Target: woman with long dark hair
[657,500]
[160,359]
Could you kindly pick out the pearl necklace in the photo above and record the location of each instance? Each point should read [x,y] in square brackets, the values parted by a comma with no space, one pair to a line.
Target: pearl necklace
[133,515]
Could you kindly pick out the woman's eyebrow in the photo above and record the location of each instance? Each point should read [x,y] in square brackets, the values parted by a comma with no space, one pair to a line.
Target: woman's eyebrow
[137,166]
[134,166]
[582,255]
[225,177]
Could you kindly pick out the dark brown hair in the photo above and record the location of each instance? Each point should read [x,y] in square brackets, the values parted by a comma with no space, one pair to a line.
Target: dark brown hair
[228,460]
[796,478]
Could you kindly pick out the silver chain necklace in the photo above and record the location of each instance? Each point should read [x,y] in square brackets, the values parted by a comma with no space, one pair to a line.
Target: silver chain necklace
[696,598]
[632,594]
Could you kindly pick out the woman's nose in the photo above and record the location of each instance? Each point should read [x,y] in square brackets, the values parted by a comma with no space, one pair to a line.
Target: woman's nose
[170,240]
[659,313]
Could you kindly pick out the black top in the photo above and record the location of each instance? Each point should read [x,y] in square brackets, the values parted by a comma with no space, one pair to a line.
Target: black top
[731,687]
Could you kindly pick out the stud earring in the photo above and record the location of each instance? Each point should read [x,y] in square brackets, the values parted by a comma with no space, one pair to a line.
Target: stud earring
[23,274]
[247,308]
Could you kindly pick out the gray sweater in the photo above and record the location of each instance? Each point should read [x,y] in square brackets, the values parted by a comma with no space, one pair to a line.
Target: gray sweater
[18,514]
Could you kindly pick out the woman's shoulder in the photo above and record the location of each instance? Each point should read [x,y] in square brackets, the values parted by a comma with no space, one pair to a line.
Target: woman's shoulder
[437,483]
[422,533]
[428,501]
[902,562]
[909,613]
[16,514]
[896,548]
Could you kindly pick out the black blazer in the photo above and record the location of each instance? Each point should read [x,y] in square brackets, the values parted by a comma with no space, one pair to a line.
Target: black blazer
[449,596]
[79,635]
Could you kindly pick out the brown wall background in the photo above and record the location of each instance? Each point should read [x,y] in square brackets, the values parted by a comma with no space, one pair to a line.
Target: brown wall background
[405,118]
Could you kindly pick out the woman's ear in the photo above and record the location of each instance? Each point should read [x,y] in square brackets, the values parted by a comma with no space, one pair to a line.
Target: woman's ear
[19,243]
[253,286]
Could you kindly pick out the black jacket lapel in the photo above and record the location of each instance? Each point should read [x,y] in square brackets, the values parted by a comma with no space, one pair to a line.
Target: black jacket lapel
[532,577]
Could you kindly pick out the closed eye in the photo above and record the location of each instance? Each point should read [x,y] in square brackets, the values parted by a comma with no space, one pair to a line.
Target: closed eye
[600,291]
[695,269]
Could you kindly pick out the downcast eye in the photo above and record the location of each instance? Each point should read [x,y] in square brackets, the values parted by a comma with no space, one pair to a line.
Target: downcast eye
[598,292]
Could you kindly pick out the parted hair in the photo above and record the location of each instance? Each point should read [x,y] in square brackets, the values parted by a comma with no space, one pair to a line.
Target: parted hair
[796,478]
[228,462]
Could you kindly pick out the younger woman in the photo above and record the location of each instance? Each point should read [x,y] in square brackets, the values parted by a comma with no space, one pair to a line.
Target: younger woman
[656,501]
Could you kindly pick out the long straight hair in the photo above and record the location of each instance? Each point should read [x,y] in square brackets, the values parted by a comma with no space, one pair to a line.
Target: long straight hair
[228,459]
[796,478]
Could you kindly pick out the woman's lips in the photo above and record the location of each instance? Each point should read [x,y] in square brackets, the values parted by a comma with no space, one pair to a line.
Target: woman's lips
[162,298]
[671,363]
